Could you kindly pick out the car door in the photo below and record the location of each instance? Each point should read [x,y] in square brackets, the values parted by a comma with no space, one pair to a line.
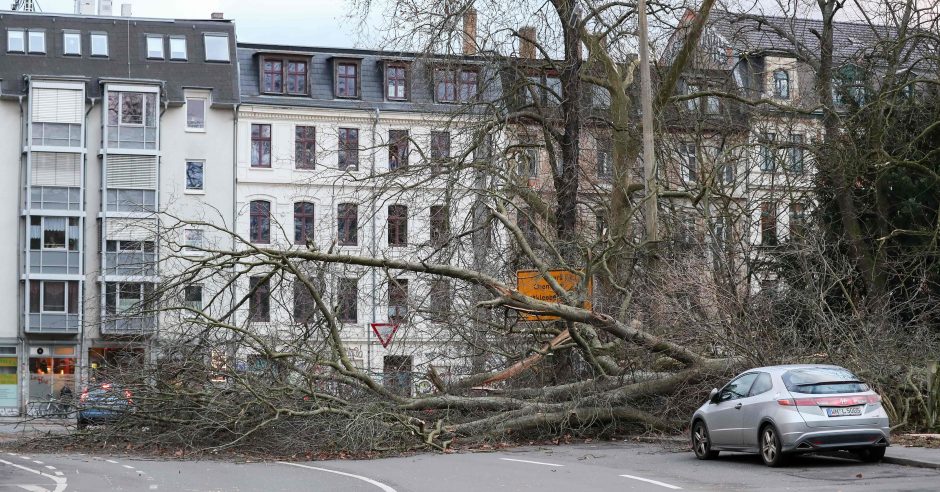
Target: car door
[754,407]
[724,417]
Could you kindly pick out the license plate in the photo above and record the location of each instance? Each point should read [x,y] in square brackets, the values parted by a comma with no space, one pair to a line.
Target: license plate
[844,411]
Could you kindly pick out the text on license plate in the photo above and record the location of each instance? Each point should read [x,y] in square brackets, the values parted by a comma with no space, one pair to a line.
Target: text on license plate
[844,411]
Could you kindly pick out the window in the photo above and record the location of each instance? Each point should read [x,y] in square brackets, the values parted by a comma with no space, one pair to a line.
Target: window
[155,47]
[217,47]
[689,163]
[397,149]
[452,85]
[527,227]
[723,231]
[126,297]
[280,76]
[398,301]
[195,113]
[440,299]
[305,147]
[16,41]
[193,239]
[260,216]
[397,225]
[781,84]
[795,152]
[347,224]
[71,43]
[602,226]
[694,103]
[347,300]
[768,224]
[348,149]
[37,41]
[347,79]
[440,225]
[767,159]
[132,120]
[440,149]
[528,165]
[604,158]
[260,145]
[304,304]
[99,43]
[396,82]
[194,175]
[303,222]
[178,48]
[47,296]
[738,388]
[54,233]
[192,297]
[727,173]
[259,302]
[797,221]
[712,105]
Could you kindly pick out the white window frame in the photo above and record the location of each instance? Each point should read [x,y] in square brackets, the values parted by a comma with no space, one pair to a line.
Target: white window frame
[201,189]
[29,37]
[155,37]
[91,44]
[42,234]
[22,34]
[117,296]
[228,51]
[205,111]
[143,108]
[42,297]
[185,48]
[65,42]
[193,238]
[201,301]
[690,173]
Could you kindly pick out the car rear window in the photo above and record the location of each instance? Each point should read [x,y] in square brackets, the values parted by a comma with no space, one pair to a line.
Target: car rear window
[823,380]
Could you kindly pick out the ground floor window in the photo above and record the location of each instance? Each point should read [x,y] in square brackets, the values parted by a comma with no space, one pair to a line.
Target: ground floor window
[51,375]
[9,379]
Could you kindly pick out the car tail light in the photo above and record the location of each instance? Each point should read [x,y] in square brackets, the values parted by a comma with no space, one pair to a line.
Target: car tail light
[106,386]
[831,401]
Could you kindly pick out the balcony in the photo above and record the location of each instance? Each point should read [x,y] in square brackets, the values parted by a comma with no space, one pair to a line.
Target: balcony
[130,263]
[53,323]
[126,200]
[129,325]
[55,262]
[55,198]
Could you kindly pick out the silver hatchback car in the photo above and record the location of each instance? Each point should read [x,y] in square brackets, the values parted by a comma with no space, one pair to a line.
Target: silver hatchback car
[778,411]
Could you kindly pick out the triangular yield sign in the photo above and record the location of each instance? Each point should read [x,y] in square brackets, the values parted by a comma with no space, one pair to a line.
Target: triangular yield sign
[384,332]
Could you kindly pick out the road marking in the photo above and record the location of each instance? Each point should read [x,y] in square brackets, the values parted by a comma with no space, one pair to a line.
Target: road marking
[60,482]
[50,467]
[380,485]
[59,473]
[532,462]
[32,488]
[656,482]
[154,487]
[129,467]
[112,461]
[38,462]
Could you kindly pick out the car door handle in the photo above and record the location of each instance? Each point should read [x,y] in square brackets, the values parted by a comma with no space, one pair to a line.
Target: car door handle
[738,406]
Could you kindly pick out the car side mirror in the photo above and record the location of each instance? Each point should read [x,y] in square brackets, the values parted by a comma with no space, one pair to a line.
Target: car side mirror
[713,395]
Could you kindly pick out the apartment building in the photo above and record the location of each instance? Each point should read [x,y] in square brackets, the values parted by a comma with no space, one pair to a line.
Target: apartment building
[107,121]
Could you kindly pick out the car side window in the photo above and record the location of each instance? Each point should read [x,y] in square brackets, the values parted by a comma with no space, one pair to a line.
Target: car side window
[761,385]
[738,387]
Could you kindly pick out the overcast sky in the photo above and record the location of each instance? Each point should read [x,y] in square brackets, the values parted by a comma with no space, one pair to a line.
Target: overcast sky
[301,22]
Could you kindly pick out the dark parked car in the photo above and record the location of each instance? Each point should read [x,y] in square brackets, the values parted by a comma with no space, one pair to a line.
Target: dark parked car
[783,410]
[103,403]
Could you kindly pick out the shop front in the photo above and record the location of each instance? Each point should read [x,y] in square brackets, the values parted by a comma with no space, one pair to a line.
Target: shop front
[9,381]
[51,376]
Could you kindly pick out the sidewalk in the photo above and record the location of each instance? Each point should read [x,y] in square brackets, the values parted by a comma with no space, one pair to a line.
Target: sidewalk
[18,427]
[919,457]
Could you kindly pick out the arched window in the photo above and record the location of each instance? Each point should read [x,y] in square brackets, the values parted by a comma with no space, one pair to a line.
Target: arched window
[397,225]
[781,84]
[260,212]
[303,222]
[347,224]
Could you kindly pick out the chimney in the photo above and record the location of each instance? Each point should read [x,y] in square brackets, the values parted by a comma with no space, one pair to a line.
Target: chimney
[85,7]
[105,8]
[470,31]
[527,42]
[125,10]
[218,16]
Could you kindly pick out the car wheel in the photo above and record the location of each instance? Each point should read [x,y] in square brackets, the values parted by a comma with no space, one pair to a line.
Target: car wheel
[82,424]
[871,455]
[770,450]
[701,443]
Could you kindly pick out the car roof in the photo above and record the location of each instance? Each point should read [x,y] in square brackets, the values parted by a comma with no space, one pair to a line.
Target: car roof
[787,367]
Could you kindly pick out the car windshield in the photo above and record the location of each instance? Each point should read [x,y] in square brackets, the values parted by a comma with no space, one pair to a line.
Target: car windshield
[823,380]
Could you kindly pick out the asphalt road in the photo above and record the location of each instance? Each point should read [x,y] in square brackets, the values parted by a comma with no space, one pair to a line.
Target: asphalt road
[601,467]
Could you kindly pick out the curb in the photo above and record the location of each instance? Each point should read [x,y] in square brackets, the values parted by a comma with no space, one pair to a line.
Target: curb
[909,462]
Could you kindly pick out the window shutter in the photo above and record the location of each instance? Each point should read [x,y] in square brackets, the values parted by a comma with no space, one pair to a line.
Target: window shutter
[58,105]
[130,229]
[56,169]
[132,171]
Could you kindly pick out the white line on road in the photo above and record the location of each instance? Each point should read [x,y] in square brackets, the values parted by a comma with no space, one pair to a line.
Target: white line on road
[656,482]
[532,462]
[50,467]
[59,473]
[38,462]
[32,488]
[112,461]
[60,484]
[129,467]
[380,485]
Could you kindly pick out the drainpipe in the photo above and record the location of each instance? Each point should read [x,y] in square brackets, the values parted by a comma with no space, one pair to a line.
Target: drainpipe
[20,294]
[84,342]
[374,249]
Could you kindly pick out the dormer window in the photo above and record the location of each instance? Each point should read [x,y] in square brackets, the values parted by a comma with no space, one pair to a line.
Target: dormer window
[347,79]
[284,76]
[781,84]
[396,81]
[453,85]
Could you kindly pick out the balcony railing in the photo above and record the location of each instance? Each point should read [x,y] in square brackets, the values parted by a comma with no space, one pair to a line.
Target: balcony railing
[55,198]
[129,325]
[58,262]
[130,263]
[53,323]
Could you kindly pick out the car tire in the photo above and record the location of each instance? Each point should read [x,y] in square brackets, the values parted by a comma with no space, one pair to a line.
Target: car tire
[82,424]
[872,454]
[701,443]
[770,447]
